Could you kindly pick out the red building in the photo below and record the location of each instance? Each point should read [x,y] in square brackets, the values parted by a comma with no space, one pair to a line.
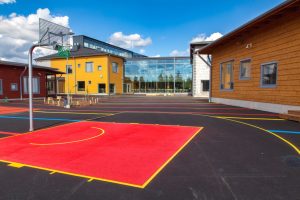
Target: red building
[14,80]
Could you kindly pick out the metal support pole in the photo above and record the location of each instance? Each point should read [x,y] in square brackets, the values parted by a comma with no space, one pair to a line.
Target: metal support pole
[30,88]
[68,83]
[31,128]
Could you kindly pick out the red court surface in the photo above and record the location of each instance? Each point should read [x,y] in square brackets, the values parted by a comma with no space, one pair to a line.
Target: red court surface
[8,110]
[129,154]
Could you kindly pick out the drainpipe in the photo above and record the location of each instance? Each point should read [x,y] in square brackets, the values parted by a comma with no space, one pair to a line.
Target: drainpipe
[21,86]
[108,73]
[210,74]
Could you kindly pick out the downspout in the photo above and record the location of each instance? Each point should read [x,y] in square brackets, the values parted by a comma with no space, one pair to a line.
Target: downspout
[21,86]
[210,74]
[108,73]
[75,75]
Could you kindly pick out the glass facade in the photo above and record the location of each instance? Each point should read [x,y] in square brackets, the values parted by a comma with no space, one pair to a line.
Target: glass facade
[158,75]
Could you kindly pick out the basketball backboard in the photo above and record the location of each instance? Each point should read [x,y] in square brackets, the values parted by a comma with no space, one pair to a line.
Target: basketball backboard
[51,34]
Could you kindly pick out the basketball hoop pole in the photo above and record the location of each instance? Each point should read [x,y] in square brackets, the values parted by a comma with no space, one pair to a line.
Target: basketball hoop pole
[30,93]
[31,128]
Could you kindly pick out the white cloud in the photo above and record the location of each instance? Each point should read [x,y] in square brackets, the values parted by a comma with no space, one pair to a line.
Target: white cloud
[7,1]
[179,53]
[157,56]
[202,37]
[129,41]
[142,51]
[19,32]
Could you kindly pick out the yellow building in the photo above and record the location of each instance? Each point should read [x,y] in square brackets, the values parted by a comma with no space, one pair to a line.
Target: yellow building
[89,72]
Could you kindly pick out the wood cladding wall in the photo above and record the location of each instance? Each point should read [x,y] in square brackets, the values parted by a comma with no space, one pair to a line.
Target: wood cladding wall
[275,41]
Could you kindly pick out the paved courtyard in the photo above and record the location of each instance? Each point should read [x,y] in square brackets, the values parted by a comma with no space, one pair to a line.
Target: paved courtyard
[135,147]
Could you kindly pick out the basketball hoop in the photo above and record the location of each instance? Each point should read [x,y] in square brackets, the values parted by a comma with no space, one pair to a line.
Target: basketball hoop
[50,35]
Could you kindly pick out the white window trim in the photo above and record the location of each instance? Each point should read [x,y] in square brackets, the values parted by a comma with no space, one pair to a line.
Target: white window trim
[17,88]
[39,85]
[117,64]
[92,67]
[1,88]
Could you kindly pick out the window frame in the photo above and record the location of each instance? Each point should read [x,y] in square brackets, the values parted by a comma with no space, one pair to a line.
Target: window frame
[262,85]
[67,69]
[240,73]
[25,84]
[232,75]
[1,87]
[100,67]
[92,67]
[14,90]
[81,90]
[202,82]
[117,65]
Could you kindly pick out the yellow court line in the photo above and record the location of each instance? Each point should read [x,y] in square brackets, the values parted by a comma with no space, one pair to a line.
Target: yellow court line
[77,113]
[171,158]
[250,118]
[35,131]
[71,142]
[265,130]
[72,174]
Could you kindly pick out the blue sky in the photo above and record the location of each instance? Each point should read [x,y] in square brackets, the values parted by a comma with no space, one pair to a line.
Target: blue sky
[171,25]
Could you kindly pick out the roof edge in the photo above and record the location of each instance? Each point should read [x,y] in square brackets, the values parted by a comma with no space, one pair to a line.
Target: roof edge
[250,23]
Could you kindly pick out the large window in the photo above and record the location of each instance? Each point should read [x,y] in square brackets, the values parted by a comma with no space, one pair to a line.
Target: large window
[269,74]
[245,69]
[159,75]
[1,87]
[69,69]
[81,85]
[226,76]
[89,67]
[115,67]
[35,85]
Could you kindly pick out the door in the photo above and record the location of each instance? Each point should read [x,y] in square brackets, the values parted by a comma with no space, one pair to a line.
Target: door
[112,88]
[127,88]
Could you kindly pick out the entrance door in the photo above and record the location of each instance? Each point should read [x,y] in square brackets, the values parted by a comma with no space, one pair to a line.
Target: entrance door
[127,88]
[112,88]
[61,85]
[101,88]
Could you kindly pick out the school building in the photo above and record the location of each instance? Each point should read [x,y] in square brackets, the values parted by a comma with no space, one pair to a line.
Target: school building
[201,69]
[258,64]
[96,67]
[87,71]
[14,80]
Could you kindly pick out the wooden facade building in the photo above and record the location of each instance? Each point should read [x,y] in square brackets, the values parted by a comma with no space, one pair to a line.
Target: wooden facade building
[258,64]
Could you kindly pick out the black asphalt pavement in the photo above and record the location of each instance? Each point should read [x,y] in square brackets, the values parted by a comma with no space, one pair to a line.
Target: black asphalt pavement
[234,156]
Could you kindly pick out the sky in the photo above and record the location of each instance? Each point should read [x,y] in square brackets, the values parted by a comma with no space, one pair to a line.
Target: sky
[153,27]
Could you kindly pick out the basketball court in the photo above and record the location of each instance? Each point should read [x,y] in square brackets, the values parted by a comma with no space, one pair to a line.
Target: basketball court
[11,110]
[128,154]
[154,148]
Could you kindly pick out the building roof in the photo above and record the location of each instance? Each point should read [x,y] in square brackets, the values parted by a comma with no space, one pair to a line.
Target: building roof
[81,52]
[273,14]
[23,65]
[110,45]
[159,58]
